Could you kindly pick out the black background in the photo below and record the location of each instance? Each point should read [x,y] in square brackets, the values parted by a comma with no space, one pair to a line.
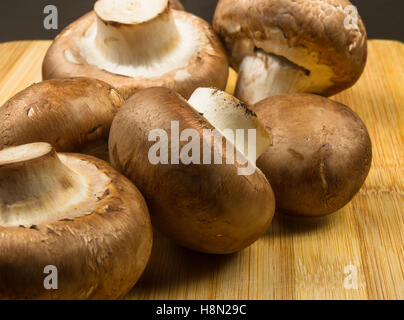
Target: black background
[23,19]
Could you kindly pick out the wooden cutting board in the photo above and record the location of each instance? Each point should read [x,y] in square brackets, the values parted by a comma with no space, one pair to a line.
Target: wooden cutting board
[296,258]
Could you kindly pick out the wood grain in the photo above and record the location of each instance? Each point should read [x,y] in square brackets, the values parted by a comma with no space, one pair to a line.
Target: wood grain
[296,258]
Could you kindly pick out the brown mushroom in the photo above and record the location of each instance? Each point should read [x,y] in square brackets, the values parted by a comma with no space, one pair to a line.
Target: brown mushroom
[72,212]
[203,204]
[286,46]
[74,115]
[176,4]
[320,154]
[138,44]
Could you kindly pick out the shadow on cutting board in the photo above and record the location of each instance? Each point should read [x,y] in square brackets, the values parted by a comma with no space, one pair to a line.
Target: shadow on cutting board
[182,266]
[288,225]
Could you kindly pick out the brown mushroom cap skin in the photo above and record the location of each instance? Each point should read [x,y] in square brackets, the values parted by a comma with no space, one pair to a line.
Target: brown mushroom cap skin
[100,255]
[314,25]
[320,156]
[207,68]
[207,208]
[176,5]
[70,114]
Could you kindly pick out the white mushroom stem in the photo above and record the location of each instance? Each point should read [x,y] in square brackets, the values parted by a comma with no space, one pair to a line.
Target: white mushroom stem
[127,41]
[229,115]
[137,38]
[33,181]
[265,75]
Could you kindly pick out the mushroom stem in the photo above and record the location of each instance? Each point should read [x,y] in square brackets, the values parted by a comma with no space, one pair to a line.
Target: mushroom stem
[33,179]
[136,38]
[231,117]
[266,75]
[118,41]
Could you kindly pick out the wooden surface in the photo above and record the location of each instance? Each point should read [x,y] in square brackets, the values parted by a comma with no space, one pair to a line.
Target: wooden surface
[295,259]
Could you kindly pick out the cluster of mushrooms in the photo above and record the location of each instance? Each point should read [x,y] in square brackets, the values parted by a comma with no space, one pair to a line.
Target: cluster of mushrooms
[132,66]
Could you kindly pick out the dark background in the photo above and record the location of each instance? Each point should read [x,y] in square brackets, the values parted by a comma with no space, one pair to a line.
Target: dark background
[23,19]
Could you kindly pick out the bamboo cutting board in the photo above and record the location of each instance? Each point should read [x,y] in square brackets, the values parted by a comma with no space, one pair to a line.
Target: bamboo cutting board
[296,258]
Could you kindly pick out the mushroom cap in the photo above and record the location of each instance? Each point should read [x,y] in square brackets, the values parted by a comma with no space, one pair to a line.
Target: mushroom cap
[320,155]
[71,114]
[99,240]
[208,208]
[310,34]
[207,67]
[176,5]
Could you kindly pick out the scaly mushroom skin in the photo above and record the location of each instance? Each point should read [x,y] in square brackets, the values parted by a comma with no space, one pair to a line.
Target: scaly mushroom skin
[285,46]
[208,208]
[73,212]
[320,155]
[139,47]
[74,115]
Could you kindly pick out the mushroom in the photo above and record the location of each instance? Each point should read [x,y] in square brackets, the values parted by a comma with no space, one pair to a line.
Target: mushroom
[72,212]
[287,46]
[320,154]
[74,115]
[213,206]
[135,44]
[176,5]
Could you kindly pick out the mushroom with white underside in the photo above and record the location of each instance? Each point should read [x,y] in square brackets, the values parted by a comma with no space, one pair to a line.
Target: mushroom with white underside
[205,193]
[72,212]
[285,46]
[135,44]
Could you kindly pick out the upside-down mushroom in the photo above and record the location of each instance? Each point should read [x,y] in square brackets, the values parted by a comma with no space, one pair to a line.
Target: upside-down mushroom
[74,115]
[320,154]
[218,205]
[74,213]
[136,44]
[287,46]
